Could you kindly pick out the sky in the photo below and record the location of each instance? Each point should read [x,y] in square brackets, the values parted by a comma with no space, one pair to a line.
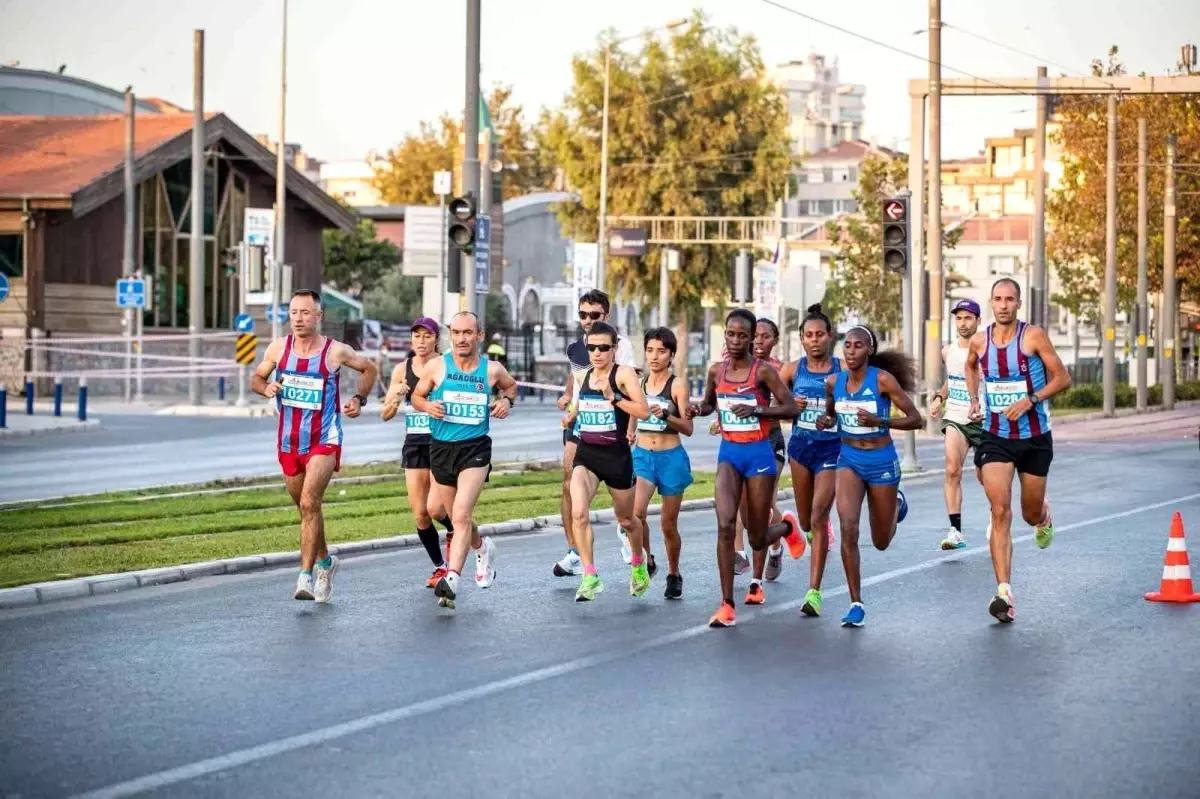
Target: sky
[363,73]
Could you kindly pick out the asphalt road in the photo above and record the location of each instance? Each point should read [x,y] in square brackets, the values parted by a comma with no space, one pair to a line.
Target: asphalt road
[228,687]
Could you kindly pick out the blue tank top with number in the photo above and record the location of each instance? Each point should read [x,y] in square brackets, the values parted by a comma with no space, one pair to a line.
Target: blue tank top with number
[465,397]
[1009,376]
[811,386]
[868,397]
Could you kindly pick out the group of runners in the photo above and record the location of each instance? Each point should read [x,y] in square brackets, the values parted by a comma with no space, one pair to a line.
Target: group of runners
[623,428]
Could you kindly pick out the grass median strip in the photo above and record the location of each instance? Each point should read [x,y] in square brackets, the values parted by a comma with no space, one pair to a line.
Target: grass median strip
[50,543]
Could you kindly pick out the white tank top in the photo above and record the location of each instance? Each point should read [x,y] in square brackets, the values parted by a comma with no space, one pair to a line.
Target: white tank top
[958,400]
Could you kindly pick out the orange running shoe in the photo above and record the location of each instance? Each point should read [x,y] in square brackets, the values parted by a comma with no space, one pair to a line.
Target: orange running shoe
[438,574]
[756,595]
[725,616]
[794,539]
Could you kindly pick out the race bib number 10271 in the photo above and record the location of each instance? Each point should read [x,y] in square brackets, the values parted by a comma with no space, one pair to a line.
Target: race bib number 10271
[302,391]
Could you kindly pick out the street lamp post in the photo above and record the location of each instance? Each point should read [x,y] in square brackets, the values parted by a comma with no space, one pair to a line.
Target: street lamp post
[602,255]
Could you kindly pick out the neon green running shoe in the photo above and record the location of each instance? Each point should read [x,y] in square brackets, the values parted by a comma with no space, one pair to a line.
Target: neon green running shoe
[639,580]
[812,603]
[1043,534]
[588,588]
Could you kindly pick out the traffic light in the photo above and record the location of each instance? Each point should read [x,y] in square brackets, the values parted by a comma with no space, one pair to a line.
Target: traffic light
[895,235]
[462,223]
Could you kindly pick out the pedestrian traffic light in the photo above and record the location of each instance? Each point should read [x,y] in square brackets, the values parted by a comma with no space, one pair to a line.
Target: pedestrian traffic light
[895,235]
[462,223]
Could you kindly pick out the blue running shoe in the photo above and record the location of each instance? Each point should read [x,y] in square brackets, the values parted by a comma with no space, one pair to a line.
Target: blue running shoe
[856,616]
[901,503]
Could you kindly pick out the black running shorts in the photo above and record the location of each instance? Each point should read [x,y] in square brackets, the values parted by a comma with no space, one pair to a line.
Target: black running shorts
[415,453]
[448,459]
[612,465]
[1029,455]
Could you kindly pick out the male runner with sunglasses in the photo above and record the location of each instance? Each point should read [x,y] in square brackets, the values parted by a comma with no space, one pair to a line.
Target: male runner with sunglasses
[594,307]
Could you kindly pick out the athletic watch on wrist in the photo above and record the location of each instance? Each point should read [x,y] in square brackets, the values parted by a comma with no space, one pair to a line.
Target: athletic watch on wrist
[362,401]
[1034,399]
[511,404]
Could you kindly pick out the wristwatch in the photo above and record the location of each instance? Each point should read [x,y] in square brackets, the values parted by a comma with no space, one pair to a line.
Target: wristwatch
[1034,399]
[362,401]
[511,404]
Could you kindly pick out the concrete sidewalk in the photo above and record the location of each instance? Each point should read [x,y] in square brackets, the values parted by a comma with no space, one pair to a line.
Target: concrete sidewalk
[18,424]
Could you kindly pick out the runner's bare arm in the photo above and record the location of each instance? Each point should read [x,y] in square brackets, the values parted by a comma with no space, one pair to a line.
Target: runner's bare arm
[825,421]
[397,388]
[706,407]
[978,342]
[435,371]
[258,380]
[634,402]
[568,392]
[343,355]
[768,379]
[501,379]
[891,389]
[682,423]
[1059,378]
[787,372]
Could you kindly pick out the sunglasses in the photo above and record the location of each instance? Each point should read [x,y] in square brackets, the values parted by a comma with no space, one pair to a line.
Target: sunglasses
[595,316]
[599,347]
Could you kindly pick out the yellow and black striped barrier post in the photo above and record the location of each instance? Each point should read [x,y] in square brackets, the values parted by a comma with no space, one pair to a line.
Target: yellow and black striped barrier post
[246,349]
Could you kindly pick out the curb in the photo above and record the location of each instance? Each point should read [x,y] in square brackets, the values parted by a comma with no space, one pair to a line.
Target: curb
[74,427]
[102,584]
[217,411]
[1121,412]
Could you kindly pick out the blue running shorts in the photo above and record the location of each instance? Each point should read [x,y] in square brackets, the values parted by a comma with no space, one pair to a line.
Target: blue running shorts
[816,455]
[754,459]
[669,469]
[876,467]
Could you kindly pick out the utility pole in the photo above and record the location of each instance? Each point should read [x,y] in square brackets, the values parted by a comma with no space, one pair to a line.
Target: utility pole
[130,223]
[933,333]
[1143,315]
[196,249]
[470,171]
[602,234]
[910,463]
[279,245]
[1110,266]
[1037,293]
[1169,324]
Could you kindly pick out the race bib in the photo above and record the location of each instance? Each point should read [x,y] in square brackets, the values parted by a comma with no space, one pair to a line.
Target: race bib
[596,416]
[847,414]
[730,422]
[813,410]
[465,407]
[654,424]
[957,397]
[415,421]
[302,391]
[1003,393]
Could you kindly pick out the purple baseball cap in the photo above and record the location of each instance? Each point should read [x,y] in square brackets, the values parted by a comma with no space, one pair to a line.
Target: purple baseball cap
[966,305]
[427,323]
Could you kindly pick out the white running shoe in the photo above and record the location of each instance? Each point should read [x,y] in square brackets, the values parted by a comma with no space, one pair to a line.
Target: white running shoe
[953,540]
[323,589]
[626,550]
[485,563]
[304,586]
[569,566]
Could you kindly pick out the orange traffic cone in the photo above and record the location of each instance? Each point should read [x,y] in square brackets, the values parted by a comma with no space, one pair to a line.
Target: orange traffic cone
[1177,573]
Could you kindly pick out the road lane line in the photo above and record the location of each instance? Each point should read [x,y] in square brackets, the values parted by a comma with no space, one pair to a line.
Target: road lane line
[253,754]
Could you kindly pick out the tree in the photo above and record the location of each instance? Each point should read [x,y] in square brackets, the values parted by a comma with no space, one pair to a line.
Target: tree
[355,261]
[396,299]
[860,284]
[528,167]
[694,130]
[1076,211]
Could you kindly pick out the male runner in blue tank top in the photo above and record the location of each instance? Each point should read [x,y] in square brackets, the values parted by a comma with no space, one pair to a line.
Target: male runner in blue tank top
[1021,371]
[456,392]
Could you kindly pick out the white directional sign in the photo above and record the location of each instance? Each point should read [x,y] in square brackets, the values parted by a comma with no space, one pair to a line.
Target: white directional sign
[894,210]
[259,230]
[442,183]
[584,260]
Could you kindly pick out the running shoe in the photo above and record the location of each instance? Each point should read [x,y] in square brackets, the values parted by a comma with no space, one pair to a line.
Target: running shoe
[485,564]
[902,504]
[756,595]
[954,540]
[446,590]
[323,588]
[795,541]
[438,574]
[725,616]
[812,603]
[1043,534]
[569,566]
[774,563]
[740,564]
[856,616]
[626,550]
[588,588]
[651,566]
[304,586]
[639,580]
[674,586]
[1002,607]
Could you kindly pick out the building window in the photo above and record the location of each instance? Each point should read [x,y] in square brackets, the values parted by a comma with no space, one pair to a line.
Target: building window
[825,207]
[12,262]
[802,176]
[852,174]
[827,174]
[1002,265]
[851,206]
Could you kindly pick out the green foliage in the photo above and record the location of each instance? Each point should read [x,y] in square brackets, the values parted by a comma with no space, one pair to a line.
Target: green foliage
[1091,395]
[694,130]
[355,261]
[1076,211]
[396,299]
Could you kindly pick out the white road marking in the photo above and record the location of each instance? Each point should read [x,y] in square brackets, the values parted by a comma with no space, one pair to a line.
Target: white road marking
[253,754]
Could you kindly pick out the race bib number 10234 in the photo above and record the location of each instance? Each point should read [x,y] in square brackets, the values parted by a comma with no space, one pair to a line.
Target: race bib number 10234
[302,391]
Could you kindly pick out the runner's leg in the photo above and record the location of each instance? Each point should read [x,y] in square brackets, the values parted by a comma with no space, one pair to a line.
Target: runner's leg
[670,531]
[568,519]
[461,501]
[823,485]
[1033,498]
[997,483]
[956,448]
[850,492]
[418,483]
[643,493]
[583,491]
[802,487]
[881,504]
[728,498]
[312,520]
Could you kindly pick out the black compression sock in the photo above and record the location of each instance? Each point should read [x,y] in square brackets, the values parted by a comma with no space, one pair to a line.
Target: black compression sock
[445,522]
[956,521]
[433,546]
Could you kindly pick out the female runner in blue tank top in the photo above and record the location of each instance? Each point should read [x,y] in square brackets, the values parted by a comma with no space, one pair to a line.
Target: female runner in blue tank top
[812,453]
[860,399]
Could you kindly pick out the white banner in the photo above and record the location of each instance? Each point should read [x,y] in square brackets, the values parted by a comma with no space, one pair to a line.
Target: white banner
[585,260]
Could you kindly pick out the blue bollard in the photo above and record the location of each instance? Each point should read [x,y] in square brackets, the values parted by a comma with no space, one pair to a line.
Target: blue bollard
[83,399]
[28,396]
[3,406]
[58,396]
[221,389]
